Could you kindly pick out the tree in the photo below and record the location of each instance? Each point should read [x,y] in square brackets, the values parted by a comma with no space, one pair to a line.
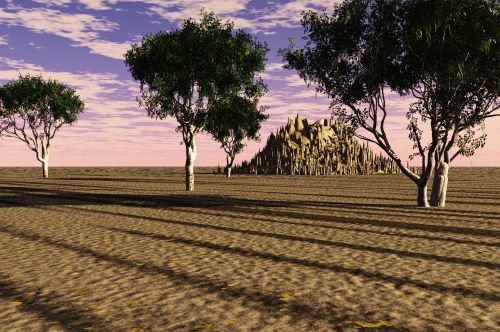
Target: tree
[451,66]
[368,47]
[34,109]
[186,73]
[234,120]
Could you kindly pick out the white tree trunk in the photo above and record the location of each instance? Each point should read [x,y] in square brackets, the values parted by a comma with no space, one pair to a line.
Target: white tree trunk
[45,162]
[440,185]
[45,168]
[190,157]
[229,165]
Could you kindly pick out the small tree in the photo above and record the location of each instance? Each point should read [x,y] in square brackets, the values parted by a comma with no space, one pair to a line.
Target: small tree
[33,110]
[367,47]
[234,120]
[187,72]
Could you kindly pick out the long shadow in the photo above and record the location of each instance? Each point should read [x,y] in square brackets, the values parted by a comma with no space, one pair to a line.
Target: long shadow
[354,196]
[108,179]
[258,300]
[400,208]
[349,228]
[222,288]
[105,188]
[404,208]
[386,251]
[158,201]
[69,317]
[58,197]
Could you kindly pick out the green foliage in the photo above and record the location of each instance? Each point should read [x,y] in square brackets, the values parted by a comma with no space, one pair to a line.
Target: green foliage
[187,72]
[350,53]
[444,53]
[235,119]
[40,100]
[454,45]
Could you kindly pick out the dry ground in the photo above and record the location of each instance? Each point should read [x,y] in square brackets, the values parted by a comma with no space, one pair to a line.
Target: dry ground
[124,249]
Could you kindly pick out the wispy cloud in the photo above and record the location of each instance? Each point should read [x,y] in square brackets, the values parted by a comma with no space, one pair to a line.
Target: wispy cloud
[93,88]
[50,3]
[82,29]
[3,40]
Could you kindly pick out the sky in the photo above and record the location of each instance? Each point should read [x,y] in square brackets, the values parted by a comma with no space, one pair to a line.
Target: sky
[81,43]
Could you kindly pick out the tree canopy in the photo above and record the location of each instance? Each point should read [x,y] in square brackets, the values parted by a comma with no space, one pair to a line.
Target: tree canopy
[187,72]
[33,109]
[442,53]
[234,120]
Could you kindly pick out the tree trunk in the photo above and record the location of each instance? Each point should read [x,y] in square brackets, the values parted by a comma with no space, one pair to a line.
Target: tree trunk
[440,185]
[45,161]
[229,165]
[190,157]
[422,195]
[45,167]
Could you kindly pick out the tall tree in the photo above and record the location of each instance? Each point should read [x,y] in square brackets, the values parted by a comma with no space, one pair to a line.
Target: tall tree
[234,120]
[367,47]
[186,73]
[451,65]
[34,109]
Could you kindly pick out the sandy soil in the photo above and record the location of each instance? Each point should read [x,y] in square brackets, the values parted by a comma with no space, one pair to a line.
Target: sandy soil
[124,249]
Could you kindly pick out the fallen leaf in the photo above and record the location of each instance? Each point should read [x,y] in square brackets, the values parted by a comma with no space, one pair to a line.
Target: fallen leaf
[15,303]
[377,324]
[81,291]
[284,309]
[104,313]
[208,326]
[88,328]
[285,297]
[136,329]
[232,321]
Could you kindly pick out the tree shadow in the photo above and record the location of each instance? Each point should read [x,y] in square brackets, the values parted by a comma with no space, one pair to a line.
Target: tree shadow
[344,245]
[254,298]
[70,317]
[254,218]
[398,281]
[24,196]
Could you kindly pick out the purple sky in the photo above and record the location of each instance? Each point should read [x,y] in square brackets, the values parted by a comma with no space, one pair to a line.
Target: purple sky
[82,42]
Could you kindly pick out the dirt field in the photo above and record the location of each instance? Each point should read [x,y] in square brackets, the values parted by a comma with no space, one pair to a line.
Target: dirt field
[125,249]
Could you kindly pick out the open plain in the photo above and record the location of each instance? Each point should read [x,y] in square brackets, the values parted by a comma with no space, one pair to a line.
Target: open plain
[126,249]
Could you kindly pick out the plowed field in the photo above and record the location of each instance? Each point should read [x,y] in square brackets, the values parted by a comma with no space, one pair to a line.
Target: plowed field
[126,249]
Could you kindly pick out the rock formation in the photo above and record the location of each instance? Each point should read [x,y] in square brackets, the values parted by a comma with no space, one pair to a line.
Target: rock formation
[321,148]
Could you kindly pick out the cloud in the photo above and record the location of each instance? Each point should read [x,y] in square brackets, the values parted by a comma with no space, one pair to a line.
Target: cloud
[93,88]
[111,113]
[287,15]
[265,20]
[85,30]
[95,4]
[50,3]
[82,29]
[176,11]
[90,4]
[3,40]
